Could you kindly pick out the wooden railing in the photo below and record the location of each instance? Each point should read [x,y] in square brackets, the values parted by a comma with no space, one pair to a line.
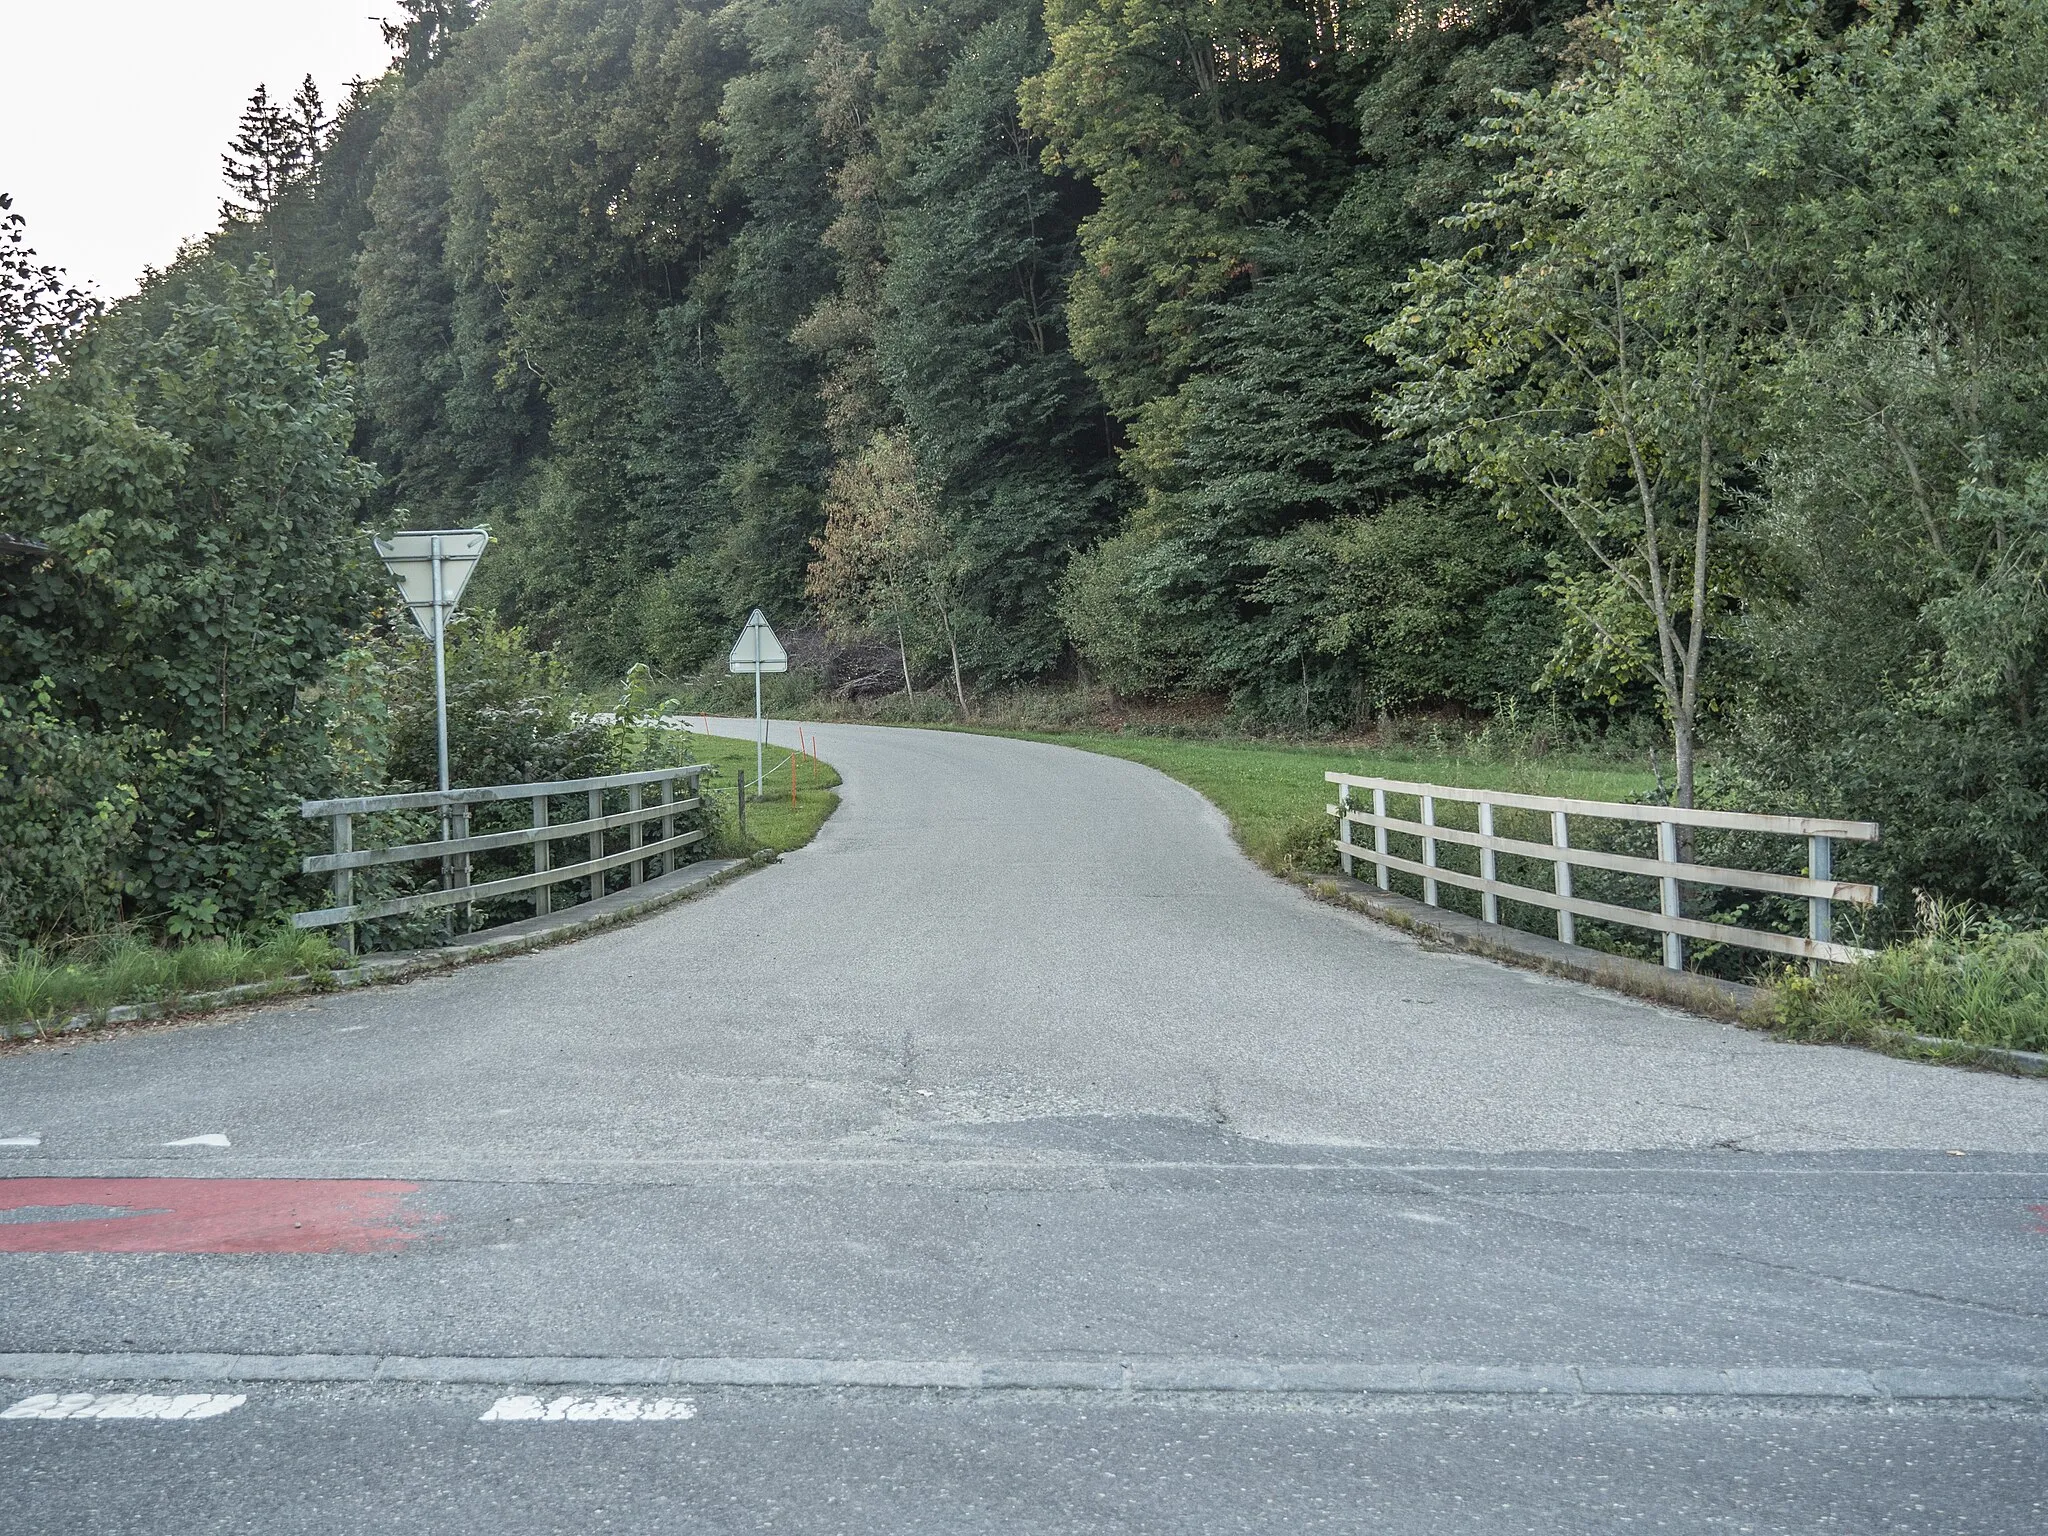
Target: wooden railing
[1818,885]
[454,848]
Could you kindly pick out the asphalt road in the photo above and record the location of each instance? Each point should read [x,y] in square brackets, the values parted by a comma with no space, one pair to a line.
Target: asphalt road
[1016,1157]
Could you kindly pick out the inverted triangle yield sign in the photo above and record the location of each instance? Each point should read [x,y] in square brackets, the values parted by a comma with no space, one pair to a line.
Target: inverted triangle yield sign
[410,559]
[757,649]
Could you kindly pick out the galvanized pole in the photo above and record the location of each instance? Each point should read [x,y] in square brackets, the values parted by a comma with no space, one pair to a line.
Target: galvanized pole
[441,698]
[760,725]
[1820,911]
[1672,902]
[441,671]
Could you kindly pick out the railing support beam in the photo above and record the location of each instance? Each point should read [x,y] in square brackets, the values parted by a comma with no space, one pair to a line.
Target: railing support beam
[1667,850]
[1429,891]
[543,898]
[1561,835]
[633,803]
[1489,869]
[344,880]
[1820,911]
[1344,825]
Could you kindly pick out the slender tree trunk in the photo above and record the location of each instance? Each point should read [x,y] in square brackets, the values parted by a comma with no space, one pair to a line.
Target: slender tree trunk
[959,692]
[903,655]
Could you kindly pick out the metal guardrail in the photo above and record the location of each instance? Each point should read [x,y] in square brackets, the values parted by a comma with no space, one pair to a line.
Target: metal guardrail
[454,849]
[1817,885]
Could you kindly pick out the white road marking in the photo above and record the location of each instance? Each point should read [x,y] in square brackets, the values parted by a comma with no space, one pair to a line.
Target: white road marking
[124,1405]
[215,1139]
[575,1410]
[21,1141]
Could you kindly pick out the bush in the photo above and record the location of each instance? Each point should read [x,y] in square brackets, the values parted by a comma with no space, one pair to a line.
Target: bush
[67,820]
[1965,980]
[510,719]
[194,485]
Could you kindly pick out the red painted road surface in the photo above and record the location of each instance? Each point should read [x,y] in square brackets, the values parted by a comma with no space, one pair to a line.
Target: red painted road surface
[208,1216]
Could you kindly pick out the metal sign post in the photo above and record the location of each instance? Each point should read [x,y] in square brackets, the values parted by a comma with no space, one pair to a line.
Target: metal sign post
[757,651]
[441,670]
[432,567]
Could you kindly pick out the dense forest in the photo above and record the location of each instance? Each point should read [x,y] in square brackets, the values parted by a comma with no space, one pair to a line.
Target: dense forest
[1676,361]
[881,314]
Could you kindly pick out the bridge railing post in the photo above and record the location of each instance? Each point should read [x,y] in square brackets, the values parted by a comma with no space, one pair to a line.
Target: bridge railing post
[1429,890]
[543,900]
[634,841]
[1561,837]
[1820,910]
[1489,864]
[1670,900]
[344,880]
[1344,824]
[668,823]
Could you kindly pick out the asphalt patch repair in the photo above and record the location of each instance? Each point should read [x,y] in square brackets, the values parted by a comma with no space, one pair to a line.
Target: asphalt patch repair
[185,1215]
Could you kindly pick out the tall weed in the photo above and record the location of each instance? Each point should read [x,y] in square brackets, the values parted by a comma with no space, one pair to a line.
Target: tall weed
[104,971]
[1965,977]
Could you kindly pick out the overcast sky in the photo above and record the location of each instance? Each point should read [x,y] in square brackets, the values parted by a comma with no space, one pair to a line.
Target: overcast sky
[114,113]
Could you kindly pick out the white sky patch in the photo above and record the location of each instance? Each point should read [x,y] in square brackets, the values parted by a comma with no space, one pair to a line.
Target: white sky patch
[214,1139]
[591,1410]
[116,113]
[124,1405]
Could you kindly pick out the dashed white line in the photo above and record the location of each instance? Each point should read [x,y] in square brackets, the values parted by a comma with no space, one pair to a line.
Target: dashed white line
[21,1141]
[577,1410]
[124,1405]
[213,1139]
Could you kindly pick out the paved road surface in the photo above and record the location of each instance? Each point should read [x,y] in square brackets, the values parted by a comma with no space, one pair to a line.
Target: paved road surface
[1219,1210]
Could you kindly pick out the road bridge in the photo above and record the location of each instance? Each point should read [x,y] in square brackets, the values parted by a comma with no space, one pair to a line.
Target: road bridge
[1017,1156]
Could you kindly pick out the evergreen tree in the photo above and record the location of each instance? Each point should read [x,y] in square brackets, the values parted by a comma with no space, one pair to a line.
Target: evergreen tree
[266,154]
[427,32]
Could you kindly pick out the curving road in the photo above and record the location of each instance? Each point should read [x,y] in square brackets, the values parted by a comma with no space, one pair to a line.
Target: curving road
[1021,1067]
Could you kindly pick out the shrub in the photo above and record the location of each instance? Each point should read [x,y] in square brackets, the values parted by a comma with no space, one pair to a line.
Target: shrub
[1962,979]
[67,819]
[194,485]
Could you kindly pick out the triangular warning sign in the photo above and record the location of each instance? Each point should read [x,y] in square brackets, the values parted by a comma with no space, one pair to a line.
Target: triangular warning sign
[410,558]
[757,649]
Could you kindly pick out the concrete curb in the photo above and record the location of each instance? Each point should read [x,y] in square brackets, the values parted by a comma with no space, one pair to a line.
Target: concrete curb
[2018,1384]
[510,939]
[1707,995]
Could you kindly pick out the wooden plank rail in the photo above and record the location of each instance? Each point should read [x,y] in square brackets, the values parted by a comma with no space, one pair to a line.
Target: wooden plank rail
[1818,885]
[456,844]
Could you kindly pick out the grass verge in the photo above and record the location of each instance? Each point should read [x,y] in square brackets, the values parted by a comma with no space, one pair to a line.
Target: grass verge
[93,976]
[777,821]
